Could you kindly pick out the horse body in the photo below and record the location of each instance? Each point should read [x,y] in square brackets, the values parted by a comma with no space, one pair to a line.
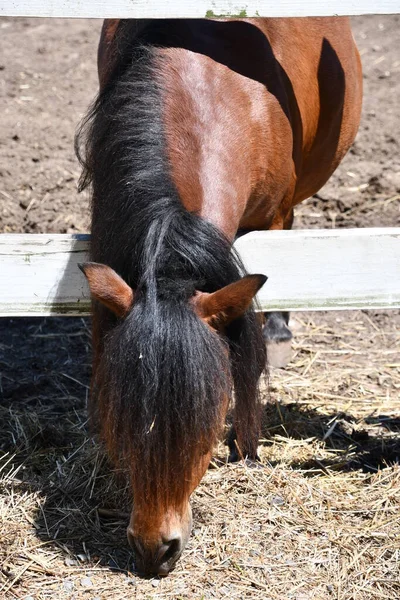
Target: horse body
[201,129]
[258,112]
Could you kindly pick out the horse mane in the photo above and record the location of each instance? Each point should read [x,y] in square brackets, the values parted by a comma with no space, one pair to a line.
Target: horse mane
[163,371]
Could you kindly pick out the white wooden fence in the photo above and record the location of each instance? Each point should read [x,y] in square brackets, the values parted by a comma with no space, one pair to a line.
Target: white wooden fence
[307,269]
[158,9]
[315,270]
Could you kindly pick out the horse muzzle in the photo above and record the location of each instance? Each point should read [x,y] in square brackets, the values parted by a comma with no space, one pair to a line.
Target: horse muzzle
[155,559]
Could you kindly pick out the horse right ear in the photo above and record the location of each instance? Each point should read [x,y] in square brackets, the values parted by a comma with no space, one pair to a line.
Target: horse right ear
[108,287]
[230,302]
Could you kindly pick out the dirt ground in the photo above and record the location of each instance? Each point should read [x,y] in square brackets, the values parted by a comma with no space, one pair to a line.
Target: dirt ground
[322,518]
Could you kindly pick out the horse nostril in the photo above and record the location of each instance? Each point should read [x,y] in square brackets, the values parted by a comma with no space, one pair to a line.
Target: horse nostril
[158,559]
[169,550]
[168,554]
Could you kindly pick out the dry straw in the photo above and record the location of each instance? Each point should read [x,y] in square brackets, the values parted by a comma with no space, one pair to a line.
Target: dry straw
[319,519]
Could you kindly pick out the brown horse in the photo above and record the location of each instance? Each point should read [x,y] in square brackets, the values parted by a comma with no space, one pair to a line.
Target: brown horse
[202,129]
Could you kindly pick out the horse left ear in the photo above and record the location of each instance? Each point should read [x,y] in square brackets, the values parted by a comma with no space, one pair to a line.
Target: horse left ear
[230,302]
[108,287]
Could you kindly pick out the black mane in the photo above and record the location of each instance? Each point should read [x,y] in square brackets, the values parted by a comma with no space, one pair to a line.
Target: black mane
[163,371]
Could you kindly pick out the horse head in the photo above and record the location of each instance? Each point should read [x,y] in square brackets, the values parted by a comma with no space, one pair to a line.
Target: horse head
[163,387]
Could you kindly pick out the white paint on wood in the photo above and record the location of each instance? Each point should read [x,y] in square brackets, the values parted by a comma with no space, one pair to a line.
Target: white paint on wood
[156,9]
[307,270]
[325,269]
[39,275]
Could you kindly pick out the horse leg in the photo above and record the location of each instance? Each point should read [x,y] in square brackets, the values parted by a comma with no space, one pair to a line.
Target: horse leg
[277,334]
[237,452]
[278,338]
[244,435]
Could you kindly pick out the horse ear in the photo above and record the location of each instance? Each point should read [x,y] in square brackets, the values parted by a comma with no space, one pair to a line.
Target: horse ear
[108,287]
[231,301]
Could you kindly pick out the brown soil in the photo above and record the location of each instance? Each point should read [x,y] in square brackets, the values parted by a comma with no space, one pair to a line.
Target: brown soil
[322,519]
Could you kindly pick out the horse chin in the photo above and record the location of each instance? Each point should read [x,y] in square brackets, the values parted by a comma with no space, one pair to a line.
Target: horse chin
[157,551]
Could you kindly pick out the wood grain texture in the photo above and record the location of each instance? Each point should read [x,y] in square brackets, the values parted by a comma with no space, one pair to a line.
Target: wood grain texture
[39,275]
[306,269]
[152,9]
[325,269]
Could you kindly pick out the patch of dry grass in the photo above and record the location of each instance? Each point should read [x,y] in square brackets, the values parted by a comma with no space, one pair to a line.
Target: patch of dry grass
[320,519]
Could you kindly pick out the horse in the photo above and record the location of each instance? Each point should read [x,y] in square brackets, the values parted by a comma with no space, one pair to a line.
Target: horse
[202,130]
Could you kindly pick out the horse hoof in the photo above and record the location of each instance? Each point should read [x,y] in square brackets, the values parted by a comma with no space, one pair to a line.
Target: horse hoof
[279,354]
[253,464]
[276,328]
[279,337]
[234,457]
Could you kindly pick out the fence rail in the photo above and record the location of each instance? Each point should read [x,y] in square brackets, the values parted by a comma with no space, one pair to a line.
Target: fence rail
[307,270]
[159,9]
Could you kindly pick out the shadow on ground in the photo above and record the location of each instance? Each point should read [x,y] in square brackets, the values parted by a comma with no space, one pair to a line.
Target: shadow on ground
[367,445]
